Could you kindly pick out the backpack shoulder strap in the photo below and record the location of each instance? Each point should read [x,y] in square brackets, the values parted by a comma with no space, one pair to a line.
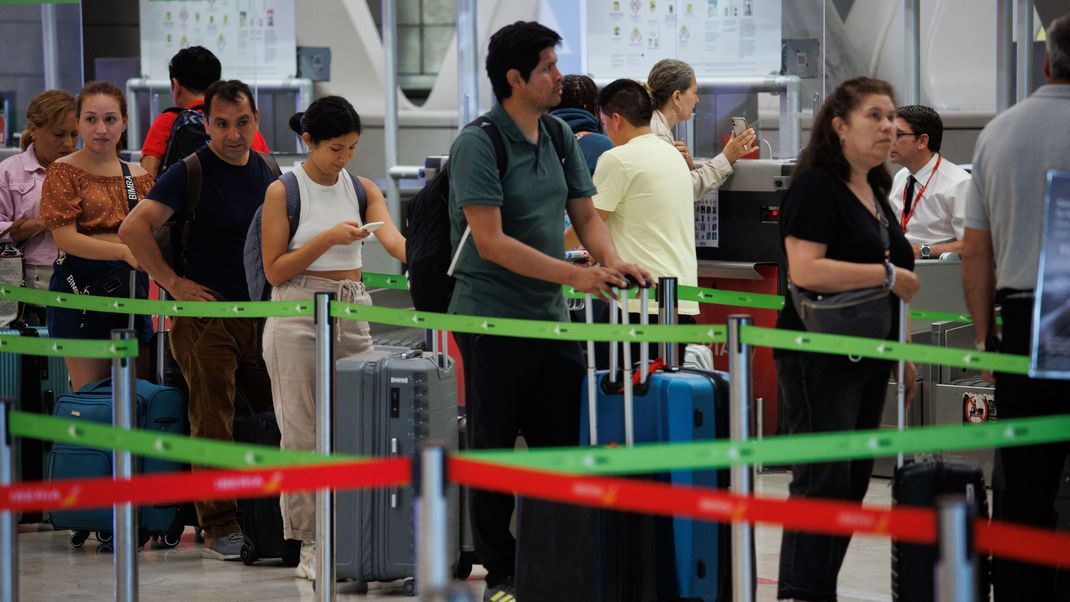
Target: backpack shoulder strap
[495,136]
[189,210]
[175,110]
[272,164]
[557,135]
[293,200]
[362,196]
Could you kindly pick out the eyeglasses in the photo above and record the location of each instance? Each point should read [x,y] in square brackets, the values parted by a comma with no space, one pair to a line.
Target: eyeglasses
[899,134]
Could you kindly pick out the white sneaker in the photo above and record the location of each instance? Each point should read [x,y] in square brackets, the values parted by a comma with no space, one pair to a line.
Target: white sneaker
[306,568]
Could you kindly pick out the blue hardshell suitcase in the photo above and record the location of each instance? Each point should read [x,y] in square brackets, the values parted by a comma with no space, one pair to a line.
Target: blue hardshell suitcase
[33,382]
[679,407]
[160,408]
[673,405]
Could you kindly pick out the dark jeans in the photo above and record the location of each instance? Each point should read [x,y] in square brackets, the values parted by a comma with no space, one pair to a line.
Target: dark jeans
[515,386]
[1027,477]
[825,393]
[220,357]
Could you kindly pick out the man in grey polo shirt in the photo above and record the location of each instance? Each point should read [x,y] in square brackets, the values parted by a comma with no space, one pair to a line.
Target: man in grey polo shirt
[512,266]
[1003,225]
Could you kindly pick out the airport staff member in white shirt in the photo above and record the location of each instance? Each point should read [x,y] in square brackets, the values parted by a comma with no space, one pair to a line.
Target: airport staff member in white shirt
[929,193]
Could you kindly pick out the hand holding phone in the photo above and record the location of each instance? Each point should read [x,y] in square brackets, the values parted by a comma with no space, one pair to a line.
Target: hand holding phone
[739,125]
[371,226]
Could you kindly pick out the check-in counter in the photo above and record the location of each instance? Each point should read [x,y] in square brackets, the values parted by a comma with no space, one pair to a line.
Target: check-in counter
[747,257]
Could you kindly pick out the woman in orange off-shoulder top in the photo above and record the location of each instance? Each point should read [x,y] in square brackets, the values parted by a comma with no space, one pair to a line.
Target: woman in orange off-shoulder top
[84,198]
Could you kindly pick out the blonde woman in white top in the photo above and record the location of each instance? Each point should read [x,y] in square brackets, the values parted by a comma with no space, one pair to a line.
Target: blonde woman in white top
[673,85]
[323,255]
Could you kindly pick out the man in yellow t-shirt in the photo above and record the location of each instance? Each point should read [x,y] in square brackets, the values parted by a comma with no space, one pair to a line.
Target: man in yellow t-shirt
[644,192]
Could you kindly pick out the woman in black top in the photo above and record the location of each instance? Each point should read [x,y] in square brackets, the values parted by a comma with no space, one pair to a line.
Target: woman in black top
[833,243]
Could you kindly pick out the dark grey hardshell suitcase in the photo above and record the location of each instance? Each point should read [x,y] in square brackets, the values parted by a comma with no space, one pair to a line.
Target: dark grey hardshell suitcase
[387,401]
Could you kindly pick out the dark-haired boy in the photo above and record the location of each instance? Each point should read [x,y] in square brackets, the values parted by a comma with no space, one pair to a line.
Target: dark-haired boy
[218,357]
[510,264]
[191,71]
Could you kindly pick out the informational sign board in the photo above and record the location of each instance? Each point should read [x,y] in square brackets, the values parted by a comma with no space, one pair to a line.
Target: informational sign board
[707,228]
[716,37]
[254,39]
[1050,349]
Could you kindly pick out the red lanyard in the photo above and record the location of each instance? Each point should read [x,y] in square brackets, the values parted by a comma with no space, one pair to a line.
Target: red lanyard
[917,199]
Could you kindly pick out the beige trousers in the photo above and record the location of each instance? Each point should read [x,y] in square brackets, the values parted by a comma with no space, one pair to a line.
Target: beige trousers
[290,355]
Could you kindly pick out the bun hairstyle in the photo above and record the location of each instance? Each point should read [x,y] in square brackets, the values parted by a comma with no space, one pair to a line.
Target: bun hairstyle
[47,108]
[666,77]
[326,118]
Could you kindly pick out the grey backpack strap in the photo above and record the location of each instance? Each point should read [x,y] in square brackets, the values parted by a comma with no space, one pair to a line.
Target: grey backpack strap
[362,196]
[293,200]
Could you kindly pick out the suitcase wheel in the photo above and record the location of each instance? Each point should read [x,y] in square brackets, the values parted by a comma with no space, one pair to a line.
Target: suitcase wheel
[104,537]
[409,587]
[248,553]
[291,552]
[78,538]
[172,538]
[464,566]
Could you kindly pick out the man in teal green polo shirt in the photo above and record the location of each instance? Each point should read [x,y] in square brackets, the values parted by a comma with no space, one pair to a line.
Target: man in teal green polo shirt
[511,265]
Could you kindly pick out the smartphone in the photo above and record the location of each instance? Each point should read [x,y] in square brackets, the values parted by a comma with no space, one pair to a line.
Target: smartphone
[371,226]
[577,256]
[739,125]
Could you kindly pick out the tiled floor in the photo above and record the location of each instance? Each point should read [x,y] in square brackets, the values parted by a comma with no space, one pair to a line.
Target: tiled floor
[51,569]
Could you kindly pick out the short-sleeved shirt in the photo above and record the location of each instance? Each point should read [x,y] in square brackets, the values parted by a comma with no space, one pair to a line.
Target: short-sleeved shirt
[95,204]
[938,208]
[645,186]
[230,195]
[160,132]
[531,196]
[1010,165]
[819,207]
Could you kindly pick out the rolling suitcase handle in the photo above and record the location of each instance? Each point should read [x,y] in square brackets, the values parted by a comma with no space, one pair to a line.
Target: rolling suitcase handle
[629,388]
[133,295]
[441,359]
[900,387]
[592,388]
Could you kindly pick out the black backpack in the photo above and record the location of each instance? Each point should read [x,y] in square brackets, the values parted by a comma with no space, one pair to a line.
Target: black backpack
[187,135]
[427,237]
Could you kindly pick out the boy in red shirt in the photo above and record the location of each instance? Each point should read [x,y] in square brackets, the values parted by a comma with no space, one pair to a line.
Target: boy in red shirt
[192,70]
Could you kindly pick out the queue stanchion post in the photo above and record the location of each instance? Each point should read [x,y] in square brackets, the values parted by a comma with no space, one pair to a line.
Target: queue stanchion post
[956,568]
[667,314]
[124,519]
[739,368]
[9,543]
[432,531]
[325,569]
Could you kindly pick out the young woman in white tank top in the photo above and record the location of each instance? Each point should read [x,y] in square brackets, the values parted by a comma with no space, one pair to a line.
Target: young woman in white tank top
[324,255]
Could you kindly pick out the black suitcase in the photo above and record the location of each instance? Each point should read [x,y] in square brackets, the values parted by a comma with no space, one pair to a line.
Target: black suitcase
[261,518]
[919,484]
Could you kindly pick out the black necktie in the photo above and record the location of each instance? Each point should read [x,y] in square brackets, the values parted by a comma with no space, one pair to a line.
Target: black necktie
[907,202]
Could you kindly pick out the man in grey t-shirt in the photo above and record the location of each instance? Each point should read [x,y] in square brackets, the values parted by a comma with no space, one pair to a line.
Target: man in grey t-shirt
[1003,225]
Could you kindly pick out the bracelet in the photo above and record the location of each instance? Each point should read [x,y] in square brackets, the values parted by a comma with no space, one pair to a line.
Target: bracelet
[890,269]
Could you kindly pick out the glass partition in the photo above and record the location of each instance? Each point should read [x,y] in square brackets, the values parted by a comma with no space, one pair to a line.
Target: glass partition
[42,48]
